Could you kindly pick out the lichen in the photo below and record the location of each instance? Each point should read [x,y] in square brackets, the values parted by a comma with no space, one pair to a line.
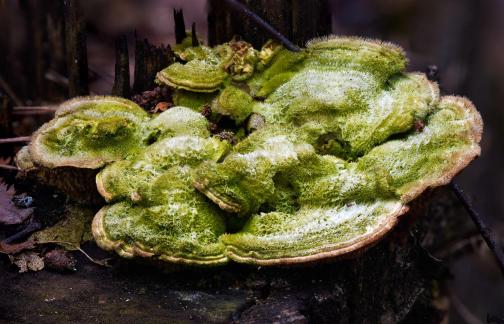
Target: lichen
[328,156]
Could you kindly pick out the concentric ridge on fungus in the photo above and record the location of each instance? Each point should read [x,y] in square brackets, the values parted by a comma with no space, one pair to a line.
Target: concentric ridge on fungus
[330,172]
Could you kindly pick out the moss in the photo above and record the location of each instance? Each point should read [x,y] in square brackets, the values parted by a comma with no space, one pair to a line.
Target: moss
[179,121]
[233,102]
[194,100]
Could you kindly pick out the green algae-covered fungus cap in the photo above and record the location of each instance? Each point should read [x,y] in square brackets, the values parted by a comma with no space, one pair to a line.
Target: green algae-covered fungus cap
[88,132]
[340,140]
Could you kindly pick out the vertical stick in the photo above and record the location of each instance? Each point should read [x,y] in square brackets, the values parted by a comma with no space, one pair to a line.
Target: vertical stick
[194,36]
[121,86]
[180,31]
[76,50]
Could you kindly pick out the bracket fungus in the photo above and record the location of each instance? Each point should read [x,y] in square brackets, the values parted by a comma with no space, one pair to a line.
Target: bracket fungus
[334,164]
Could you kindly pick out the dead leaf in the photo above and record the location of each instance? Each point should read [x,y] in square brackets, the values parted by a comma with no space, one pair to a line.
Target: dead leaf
[74,229]
[60,260]
[10,214]
[16,247]
[28,261]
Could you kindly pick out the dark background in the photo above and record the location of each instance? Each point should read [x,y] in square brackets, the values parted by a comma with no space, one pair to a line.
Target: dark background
[463,38]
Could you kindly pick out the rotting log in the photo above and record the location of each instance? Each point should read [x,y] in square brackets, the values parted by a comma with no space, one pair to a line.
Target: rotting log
[76,49]
[121,86]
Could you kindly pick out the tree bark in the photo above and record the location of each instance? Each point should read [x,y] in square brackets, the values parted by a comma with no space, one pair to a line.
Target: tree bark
[149,59]
[76,49]
[298,20]
[121,86]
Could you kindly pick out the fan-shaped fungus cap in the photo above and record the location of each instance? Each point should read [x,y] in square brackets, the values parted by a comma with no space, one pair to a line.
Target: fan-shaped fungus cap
[88,132]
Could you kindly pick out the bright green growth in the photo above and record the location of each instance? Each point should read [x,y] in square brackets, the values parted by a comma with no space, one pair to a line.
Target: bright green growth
[196,75]
[178,121]
[276,237]
[159,211]
[323,174]
[430,157]
[194,100]
[133,179]
[336,202]
[89,132]
[208,70]
[180,227]
[233,102]
[343,138]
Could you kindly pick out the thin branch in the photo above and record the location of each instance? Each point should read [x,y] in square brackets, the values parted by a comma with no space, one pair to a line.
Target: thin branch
[241,8]
[57,78]
[485,231]
[103,263]
[20,139]
[43,108]
[8,167]
[33,110]
[25,232]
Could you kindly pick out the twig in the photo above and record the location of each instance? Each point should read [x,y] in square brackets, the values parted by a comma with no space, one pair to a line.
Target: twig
[20,139]
[57,78]
[33,110]
[485,231]
[32,227]
[8,167]
[103,263]
[241,8]
[41,108]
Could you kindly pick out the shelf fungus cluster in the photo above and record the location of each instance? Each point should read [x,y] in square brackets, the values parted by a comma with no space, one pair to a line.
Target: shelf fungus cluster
[342,139]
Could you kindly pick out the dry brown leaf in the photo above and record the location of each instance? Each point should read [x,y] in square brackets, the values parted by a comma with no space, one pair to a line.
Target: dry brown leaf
[28,261]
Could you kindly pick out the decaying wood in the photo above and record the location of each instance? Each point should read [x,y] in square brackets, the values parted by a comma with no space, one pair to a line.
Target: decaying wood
[194,35]
[180,31]
[76,49]
[149,59]
[121,86]
[297,20]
